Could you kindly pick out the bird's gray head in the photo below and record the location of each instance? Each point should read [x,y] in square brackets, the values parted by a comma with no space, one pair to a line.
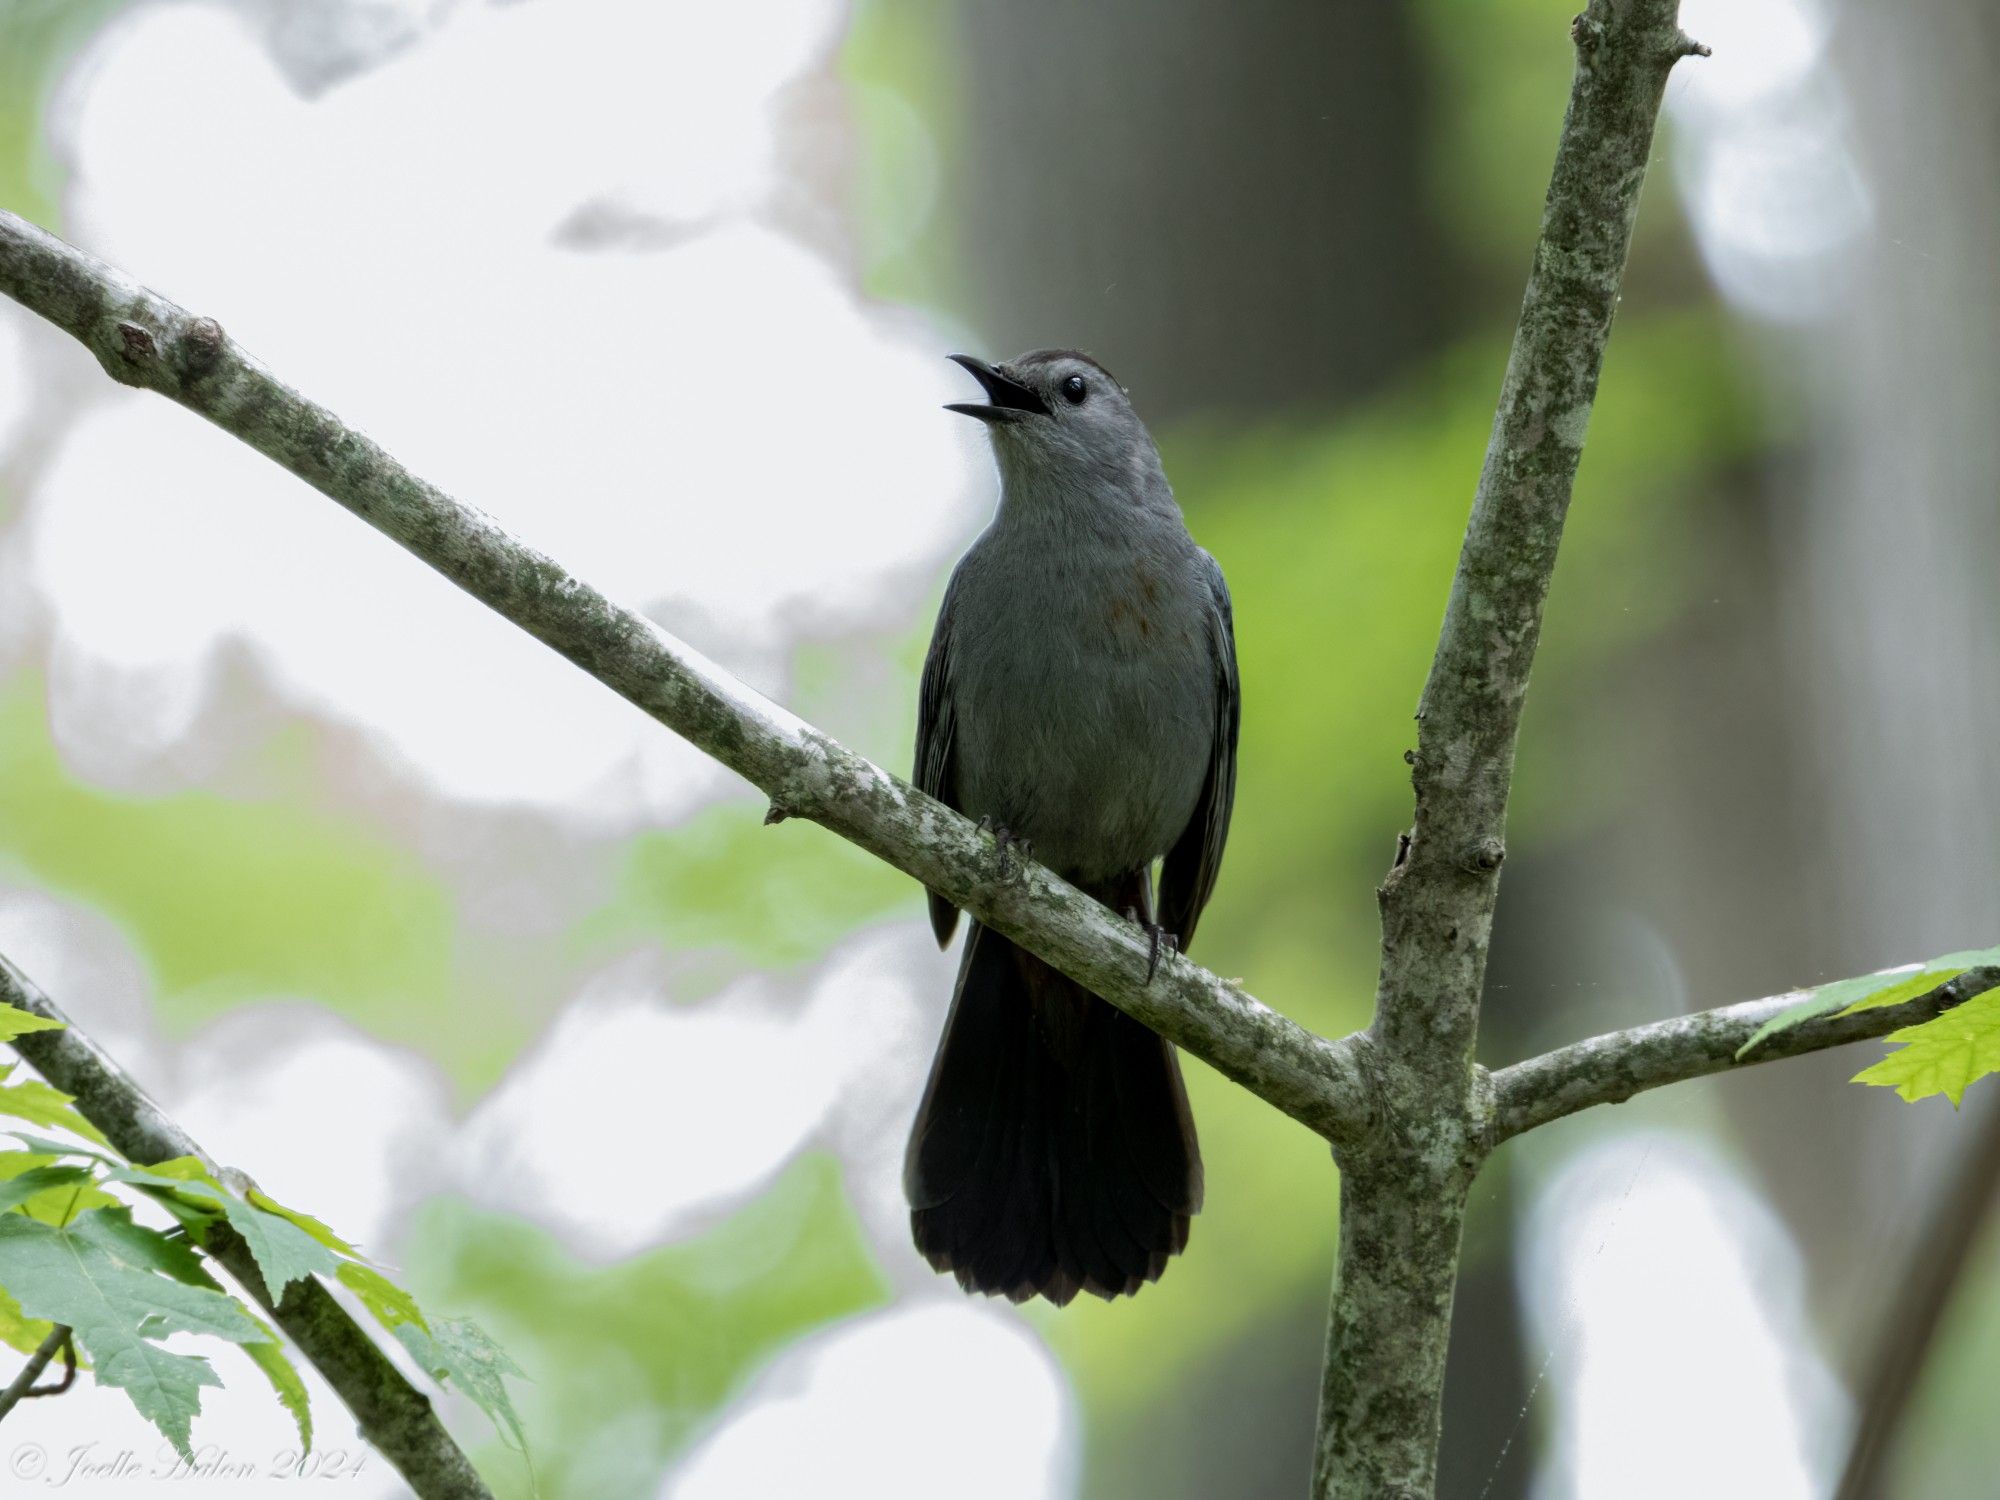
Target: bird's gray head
[1060,419]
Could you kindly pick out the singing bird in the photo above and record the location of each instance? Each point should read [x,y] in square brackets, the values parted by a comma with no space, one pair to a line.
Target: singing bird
[1080,697]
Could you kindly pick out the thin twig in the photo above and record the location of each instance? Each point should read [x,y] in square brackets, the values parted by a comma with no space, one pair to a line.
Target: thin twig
[24,1387]
[1610,1069]
[393,1415]
[68,1374]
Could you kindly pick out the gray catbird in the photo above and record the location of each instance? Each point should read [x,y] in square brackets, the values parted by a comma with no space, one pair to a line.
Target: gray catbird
[1080,697]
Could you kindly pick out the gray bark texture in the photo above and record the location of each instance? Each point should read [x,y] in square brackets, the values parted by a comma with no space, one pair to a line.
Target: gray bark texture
[394,1416]
[1409,1114]
[1610,1069]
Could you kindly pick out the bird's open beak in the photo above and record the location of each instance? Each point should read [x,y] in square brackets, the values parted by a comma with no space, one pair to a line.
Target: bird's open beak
[1009,399]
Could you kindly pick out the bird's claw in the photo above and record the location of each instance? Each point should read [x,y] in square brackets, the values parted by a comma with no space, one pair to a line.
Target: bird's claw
[1004,844]
[1160,938]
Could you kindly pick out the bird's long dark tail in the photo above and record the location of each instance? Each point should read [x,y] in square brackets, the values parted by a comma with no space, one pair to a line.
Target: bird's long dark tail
[1054,1151]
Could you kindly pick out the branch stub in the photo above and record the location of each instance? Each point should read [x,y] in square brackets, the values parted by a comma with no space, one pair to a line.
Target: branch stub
[1483,856]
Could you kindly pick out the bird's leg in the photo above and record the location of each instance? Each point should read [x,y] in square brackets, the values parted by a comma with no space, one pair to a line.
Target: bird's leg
[1004,842]
[1161,938]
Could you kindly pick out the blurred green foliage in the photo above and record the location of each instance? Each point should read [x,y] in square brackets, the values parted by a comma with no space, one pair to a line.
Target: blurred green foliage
[36,38]
[228,900]
[894,58]
[1499,73]
[630,1360]
[724,881]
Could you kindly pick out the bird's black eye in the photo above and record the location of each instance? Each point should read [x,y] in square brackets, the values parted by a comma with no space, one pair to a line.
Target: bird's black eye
[1074,390]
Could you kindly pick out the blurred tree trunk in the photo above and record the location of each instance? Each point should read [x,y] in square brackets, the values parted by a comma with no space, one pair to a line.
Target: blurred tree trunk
[1896,594]
[1887,627]
[1227,202]
[1817,736]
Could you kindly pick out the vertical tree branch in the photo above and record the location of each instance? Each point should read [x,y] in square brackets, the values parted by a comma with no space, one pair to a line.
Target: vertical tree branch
[394,1416]
[1403,1189]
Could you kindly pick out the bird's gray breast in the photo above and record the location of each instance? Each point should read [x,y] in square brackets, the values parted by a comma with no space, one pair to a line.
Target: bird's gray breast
[1083,693]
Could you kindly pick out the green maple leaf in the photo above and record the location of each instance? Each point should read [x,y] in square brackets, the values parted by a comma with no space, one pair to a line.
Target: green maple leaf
[1944,1055]
[121,1286]
[173,1258]
[17,1022]
[455,1351]
[388,1303]
[17,1330]
[58,1205]
[1949,967]
[40,1104]
[38,1178]
[306,1222]
[458,1353]
[46,1146]
[114,1232]
[284,1252]
[33,1182]
[1873,991]
[270,1357]
[182,1169]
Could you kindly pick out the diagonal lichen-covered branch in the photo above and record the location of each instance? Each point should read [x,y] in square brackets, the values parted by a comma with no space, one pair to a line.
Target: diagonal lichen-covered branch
[1403,1190]
[392,1414]
[144,340]
[1612,1068]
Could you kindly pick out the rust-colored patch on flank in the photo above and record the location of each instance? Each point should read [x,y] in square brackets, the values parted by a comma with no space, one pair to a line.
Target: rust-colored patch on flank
[1130,614]
[1128,618]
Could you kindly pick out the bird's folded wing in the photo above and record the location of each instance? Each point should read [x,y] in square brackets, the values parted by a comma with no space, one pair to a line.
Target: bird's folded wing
[1187,877]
